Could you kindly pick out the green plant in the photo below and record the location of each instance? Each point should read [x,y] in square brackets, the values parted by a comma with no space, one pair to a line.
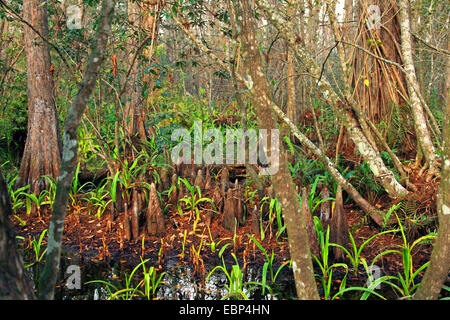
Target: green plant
[131,176]
[31,198]
[22,223]
[15,194]
[37,247]
[37,256]
[274,213]
[76,187]
[323,263]
[354,255]
[45,197]
[114,180]
[446,288]
[181,255]
[49,193]
[213,244]
[366,183]
[224,247]
[388,215]
[236,287]
[305,170]
[150,283]
[98,200]
[268,266]
[193,200]
[249,195]
[403,283]
[313,200]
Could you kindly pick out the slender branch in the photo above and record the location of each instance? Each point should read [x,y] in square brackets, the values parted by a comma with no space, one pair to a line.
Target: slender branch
[49,275]
[374,55]
[14,13]
[438,50]
[363,203]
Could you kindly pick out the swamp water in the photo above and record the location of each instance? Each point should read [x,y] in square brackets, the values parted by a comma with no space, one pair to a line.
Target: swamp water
[179,282]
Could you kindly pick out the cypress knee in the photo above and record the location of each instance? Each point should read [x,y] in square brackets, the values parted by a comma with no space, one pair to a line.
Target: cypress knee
[339,226]
[218,198]
[134,215]
[229,214]
[199,181]
[173,197]
[224,180]
[255,221]
[208,180]
[325,205]
[312,235]
[155,218]
[126,224]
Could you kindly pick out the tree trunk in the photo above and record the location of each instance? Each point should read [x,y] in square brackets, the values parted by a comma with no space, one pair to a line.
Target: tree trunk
[377,84]
[70,150]
[343,110]
[134,115]
[291,97]
[376,215]
[420,122]
[42,148]
[150,15]
[282,180]
[437,272]
[13,283]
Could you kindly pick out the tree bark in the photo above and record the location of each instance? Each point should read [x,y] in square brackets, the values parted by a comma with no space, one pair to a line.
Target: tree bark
[291,96]
[70,150]
[438,269]
[378,85]
[282,180]
[42,148]
[343,110]
[420,122]
[13,283]
[375,214]
[150,15]
[133,103]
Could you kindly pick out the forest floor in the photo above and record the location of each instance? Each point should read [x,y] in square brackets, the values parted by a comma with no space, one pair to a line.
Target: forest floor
[99,240]
[94,240]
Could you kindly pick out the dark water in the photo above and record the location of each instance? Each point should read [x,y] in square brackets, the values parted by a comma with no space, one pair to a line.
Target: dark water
[179,282]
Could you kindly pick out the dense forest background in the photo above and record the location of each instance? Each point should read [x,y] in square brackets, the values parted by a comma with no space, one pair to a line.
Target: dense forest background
[91,93]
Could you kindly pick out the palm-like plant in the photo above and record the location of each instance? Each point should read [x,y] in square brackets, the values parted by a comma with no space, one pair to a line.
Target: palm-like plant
[236,287]
[404,283]
[193,200]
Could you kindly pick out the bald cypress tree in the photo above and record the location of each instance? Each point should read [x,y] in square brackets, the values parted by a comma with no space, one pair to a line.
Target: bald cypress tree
[42,148]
